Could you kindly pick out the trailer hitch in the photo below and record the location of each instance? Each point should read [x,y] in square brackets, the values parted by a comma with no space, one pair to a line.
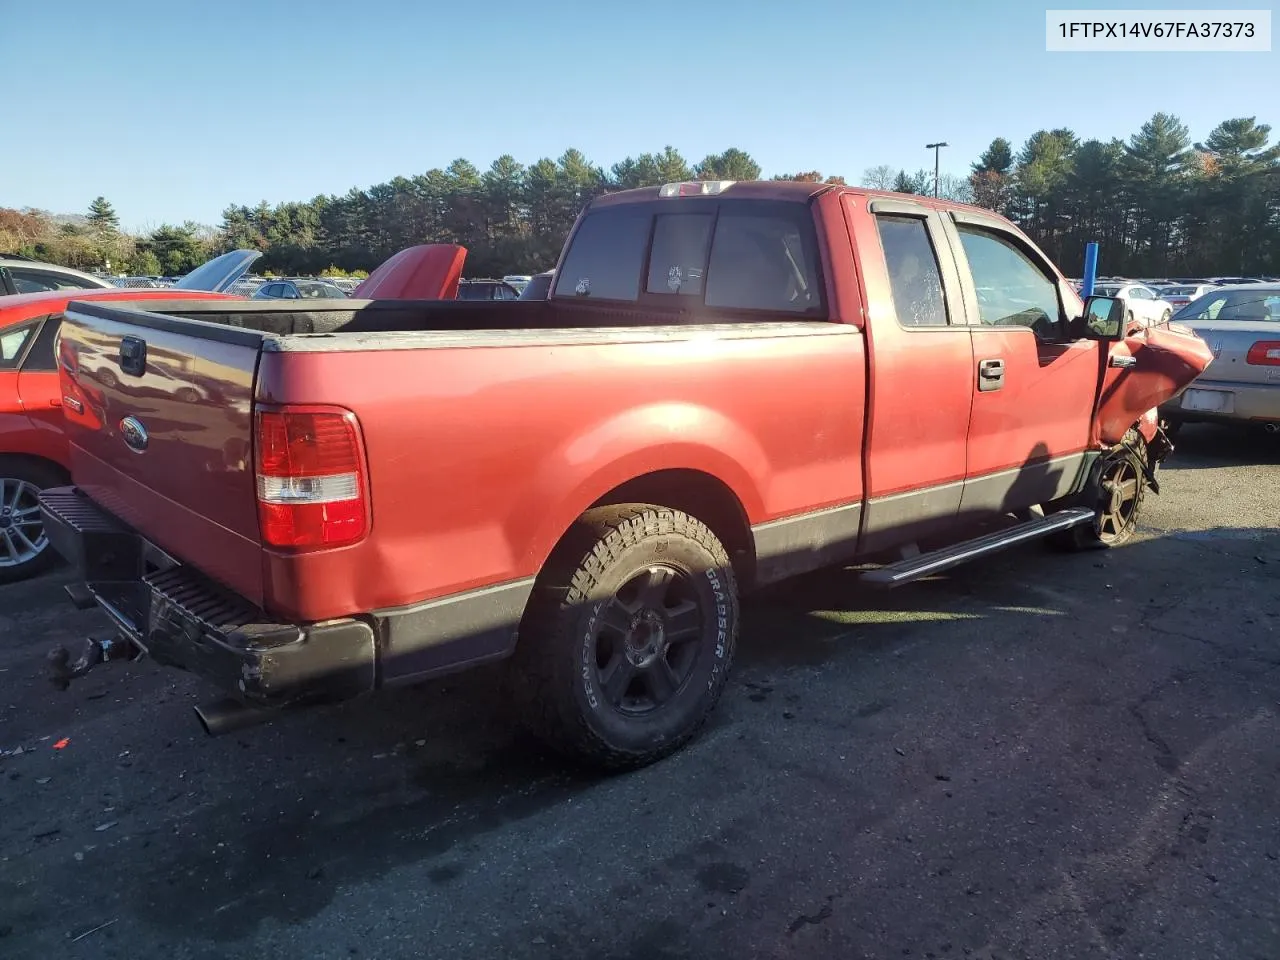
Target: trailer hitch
[96,652]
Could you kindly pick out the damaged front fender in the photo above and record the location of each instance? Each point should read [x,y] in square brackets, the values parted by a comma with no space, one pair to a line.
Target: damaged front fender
[1149,367]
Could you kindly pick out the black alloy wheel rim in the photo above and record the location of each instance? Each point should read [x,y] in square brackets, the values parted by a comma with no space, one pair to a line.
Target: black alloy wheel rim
[646,640]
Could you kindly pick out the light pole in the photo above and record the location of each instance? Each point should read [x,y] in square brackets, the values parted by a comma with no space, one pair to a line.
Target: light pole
[936,148]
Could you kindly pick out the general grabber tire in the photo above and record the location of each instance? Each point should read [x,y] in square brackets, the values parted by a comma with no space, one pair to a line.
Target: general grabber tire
[628,638]
[1115,491]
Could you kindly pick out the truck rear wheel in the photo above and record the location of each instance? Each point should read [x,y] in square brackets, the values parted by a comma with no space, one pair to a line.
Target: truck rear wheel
[629,636]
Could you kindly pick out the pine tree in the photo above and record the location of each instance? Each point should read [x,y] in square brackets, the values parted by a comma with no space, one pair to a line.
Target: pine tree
[102,216]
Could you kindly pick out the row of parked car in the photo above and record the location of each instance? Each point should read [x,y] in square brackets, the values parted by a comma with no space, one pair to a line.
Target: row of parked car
[1156,301]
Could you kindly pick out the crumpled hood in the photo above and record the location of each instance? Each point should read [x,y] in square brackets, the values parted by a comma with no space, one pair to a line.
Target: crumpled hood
[429,271]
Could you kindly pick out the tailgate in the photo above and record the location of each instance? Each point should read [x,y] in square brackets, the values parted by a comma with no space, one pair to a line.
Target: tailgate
[159,414]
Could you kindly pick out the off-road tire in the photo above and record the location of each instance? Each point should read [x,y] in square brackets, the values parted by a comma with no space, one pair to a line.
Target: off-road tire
[1129,455]
[555,679]
[40,475]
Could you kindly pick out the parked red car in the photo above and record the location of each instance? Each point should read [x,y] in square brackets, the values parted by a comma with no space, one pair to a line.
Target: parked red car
[729,384]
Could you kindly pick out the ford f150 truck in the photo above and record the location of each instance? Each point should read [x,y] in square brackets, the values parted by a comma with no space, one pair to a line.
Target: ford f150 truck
[731,383]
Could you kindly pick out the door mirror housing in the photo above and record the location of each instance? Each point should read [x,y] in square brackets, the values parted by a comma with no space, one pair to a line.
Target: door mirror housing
[1103,319]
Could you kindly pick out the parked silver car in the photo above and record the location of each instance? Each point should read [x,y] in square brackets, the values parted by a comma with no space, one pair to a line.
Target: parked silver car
[298,290]
[24,275]
[1241,325]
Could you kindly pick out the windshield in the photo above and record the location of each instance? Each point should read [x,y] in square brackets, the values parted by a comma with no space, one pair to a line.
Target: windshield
[1105,290]
[1233,305]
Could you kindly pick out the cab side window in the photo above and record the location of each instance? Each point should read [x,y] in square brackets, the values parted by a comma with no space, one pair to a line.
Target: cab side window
[1012,289]
[914,278]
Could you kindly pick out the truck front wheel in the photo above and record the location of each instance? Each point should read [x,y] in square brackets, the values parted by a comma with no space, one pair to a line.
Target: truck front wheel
[629,636]
[1115,490]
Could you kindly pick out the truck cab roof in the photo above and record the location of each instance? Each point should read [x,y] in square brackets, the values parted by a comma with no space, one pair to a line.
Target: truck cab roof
[794,191]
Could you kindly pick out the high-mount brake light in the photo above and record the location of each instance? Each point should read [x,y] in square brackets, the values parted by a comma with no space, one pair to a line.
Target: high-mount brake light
[1264,353]
[695,188]
[312,489]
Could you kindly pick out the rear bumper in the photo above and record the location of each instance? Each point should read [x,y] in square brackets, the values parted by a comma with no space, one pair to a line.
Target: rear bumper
[182,618]
[1250,402]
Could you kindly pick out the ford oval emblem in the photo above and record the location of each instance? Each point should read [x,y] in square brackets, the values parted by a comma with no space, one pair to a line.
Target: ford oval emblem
[134,433]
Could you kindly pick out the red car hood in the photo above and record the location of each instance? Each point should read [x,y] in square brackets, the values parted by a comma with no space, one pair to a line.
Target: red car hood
[430,271]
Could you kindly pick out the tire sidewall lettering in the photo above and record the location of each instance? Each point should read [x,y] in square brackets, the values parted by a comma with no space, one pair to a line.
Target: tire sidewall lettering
[587,653]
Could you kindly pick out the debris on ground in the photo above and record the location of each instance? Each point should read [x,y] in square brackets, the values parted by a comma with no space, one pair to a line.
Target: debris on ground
[101,926]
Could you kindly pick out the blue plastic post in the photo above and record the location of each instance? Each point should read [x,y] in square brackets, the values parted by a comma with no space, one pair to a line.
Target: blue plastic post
[1090,269]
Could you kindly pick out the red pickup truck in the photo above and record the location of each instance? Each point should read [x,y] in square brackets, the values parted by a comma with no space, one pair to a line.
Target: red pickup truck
[731,383]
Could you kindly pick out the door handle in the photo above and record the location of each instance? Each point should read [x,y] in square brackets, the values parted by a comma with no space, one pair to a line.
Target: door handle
[1120,360]
[990,375]
[133,356]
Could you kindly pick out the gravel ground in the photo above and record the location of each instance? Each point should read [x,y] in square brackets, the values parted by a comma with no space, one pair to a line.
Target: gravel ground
[1036,756]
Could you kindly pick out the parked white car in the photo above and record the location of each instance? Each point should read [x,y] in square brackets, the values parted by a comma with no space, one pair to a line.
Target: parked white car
[1180,294]
[1143,303]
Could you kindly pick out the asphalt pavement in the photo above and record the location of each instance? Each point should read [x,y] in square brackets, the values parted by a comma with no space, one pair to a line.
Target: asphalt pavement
[1036,756]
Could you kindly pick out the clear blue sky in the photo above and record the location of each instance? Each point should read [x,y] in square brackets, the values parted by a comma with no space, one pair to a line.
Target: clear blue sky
[174,110]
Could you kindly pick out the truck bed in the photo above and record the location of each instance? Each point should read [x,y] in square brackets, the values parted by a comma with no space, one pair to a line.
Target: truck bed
[472,415]
[286,318]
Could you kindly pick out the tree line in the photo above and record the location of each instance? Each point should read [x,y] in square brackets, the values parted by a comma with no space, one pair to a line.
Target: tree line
[1159,204]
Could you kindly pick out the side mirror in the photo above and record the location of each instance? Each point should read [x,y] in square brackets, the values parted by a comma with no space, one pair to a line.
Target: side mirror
[1103,319]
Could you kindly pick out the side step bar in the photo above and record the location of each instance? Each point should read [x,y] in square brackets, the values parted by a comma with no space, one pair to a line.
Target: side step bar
[927,564]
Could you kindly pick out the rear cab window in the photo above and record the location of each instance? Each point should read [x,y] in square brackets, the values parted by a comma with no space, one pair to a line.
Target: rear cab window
[710,255]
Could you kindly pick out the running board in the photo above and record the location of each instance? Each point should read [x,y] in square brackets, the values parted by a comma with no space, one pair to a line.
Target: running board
[927,564]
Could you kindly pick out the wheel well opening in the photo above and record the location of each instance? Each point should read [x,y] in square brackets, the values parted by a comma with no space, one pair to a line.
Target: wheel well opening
[702,496]
[18,460]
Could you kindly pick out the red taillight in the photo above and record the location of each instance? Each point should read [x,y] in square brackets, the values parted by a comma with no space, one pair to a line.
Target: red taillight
[311,484]
[1265,353]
